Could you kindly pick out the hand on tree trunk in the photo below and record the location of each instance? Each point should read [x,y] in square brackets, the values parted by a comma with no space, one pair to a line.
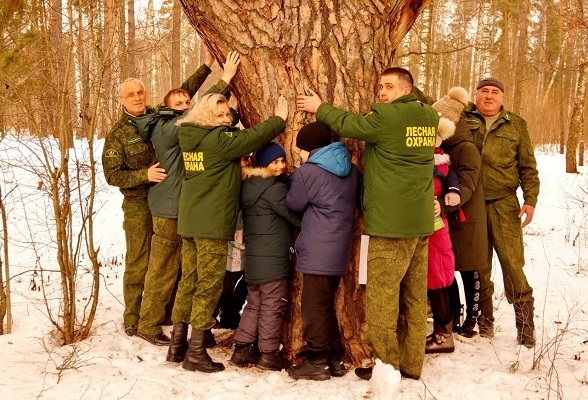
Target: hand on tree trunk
[230,66]
[309,103]
[282,108]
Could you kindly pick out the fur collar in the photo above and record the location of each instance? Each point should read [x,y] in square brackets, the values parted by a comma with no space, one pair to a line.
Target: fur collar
[263,173]
[441,159]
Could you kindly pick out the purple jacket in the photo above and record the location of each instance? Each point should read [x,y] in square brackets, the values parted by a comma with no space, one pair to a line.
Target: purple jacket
[325,190]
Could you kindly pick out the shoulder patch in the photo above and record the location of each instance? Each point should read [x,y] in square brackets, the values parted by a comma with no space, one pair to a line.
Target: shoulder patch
[111,153]
[473,123]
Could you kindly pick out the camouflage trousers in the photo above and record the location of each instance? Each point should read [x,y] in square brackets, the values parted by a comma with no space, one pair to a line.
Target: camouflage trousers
[204,263]
[505,236]
[138,231]
[397,279]
[164,263]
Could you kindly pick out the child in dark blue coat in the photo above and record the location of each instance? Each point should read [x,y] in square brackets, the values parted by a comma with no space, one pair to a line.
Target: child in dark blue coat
[267,229]
[324,189]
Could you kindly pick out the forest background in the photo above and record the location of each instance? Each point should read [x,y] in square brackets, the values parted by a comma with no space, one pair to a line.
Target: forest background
[61,63]
[536,47]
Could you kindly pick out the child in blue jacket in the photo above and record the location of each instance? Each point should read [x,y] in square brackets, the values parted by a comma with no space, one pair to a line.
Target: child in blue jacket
[324,188]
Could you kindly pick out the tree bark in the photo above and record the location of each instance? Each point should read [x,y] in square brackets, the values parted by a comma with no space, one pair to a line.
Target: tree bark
[131,42]
[517,105]
[332,47]
[577,120]
[175,44]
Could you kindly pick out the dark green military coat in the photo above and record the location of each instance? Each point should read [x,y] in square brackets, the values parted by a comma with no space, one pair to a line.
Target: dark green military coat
[210,190]
[398,186]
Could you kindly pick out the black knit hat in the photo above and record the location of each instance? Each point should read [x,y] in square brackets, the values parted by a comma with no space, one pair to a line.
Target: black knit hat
[313,136]
[269,153]
[490,82]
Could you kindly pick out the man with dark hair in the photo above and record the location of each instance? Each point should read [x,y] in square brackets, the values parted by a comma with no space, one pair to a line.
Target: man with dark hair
[399,212]
[508,162]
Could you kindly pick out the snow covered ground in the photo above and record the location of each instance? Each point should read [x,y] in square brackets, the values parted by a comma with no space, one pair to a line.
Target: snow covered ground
[111,365]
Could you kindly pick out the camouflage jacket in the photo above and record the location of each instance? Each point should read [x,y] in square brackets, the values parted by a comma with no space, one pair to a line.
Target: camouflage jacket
[508,160]
[126,157]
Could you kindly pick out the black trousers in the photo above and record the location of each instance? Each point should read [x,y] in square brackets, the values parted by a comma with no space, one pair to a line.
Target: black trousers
[439,299]
[231,300]
[471,290]
[320,328]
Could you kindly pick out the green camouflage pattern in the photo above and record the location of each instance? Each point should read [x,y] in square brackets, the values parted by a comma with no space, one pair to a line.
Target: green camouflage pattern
[126,158]
[486,292]
[203,269]
[397,269]
[138,231]
[164,264]
[506,236]
[508,160]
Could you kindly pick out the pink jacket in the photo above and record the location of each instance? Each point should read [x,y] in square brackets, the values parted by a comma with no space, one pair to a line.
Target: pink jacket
[441,259]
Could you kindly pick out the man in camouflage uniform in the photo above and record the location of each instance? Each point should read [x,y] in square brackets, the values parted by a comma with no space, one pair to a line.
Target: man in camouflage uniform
[398,203]
[508,162]
[129,163]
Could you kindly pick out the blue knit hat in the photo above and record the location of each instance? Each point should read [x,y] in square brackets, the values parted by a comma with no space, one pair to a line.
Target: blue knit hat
[269,153]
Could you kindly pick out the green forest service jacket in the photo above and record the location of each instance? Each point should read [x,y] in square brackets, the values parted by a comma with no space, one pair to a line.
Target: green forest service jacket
[398,170]
[508,160]
[210,190]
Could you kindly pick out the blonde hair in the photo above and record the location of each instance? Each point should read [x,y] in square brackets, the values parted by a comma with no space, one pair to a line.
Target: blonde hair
[204,112]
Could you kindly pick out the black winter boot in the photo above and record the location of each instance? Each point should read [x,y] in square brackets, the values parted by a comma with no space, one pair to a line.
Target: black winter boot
[442,340]
[467,334]
[313,370]
[364,373]
[178,345]
[244,354]
[271,361]
[197,359]
[525,325]
[209,340]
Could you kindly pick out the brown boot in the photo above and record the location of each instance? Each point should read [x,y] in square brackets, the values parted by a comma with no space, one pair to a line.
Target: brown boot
[486,318]
[442,340]
[525,325]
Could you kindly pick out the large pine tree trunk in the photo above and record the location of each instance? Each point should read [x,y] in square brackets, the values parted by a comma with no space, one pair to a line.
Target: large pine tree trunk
[335,48]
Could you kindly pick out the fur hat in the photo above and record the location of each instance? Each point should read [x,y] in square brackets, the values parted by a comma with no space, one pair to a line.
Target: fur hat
[451,105]
[490,82]
[446,128]
[313,136]
[269,153]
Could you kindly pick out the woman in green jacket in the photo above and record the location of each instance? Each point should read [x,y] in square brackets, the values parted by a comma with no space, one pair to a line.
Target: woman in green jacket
[211,150]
